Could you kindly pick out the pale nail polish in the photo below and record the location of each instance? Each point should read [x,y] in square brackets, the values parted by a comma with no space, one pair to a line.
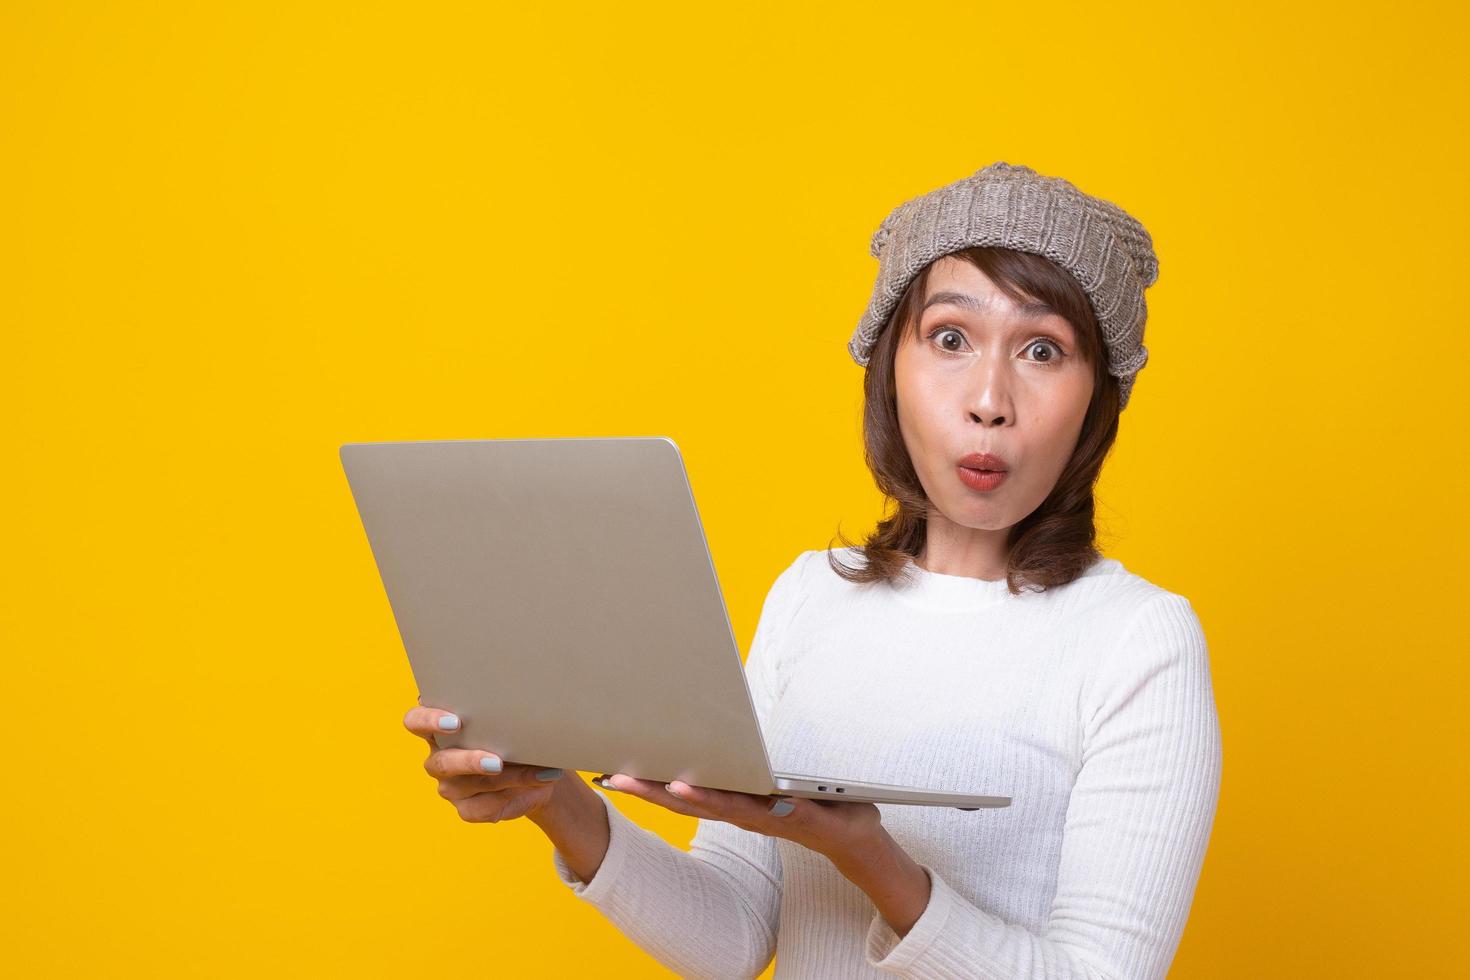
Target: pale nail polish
[449,722]
[782,807]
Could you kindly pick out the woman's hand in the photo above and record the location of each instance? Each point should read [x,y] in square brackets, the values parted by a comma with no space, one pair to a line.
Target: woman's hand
[840,830]
[479,784]
[851,835]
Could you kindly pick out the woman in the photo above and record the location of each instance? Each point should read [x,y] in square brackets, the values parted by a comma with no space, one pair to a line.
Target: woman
[977,641]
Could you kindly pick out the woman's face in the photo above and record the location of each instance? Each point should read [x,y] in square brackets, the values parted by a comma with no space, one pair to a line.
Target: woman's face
[986,375]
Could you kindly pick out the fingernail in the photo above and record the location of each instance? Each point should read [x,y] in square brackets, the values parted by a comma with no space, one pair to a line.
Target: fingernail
[547,775]
[491,764]
[449,722]
[782,807]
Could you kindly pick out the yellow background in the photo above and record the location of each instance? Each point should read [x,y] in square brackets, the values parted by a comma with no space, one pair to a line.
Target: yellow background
[236,236]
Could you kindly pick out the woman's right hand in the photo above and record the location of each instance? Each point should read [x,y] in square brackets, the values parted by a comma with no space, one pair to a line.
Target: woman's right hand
[480,785]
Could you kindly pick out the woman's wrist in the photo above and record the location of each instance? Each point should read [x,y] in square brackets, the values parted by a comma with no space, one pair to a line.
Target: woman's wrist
[575,821]
[897,884]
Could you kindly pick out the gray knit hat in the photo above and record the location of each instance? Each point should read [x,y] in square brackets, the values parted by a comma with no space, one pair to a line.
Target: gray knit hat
[1108,251]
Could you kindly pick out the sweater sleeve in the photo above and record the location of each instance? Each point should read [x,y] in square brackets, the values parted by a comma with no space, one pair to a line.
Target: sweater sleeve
[1138,824]
[710,911]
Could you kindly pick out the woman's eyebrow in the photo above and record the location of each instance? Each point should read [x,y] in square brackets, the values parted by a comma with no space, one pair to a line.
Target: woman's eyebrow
[1028,309]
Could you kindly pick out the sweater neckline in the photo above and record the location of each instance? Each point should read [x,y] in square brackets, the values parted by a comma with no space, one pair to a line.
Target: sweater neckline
[934,590]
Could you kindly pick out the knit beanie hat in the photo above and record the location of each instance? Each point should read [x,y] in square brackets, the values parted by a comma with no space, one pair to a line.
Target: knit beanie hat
[1109,253]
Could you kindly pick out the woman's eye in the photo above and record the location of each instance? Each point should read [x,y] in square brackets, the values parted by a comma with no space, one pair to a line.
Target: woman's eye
[1048,351]
[942,331]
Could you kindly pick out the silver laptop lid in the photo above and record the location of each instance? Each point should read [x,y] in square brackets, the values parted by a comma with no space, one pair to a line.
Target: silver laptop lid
[559,596]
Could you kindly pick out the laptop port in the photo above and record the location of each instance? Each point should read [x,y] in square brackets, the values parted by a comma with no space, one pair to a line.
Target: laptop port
[822,789]
[841,790]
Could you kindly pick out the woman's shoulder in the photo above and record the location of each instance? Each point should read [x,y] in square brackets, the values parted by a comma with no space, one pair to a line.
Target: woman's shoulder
[1112,576]
[1109,590]
[813,569]
[811,573]
[1146,624]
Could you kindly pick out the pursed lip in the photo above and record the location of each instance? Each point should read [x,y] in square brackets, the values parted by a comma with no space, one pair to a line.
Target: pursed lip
[984,461]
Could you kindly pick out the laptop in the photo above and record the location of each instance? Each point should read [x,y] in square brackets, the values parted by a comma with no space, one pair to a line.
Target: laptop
[559,596]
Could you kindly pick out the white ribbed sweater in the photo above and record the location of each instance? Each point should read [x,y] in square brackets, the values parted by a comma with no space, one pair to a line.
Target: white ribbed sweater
[1090,705]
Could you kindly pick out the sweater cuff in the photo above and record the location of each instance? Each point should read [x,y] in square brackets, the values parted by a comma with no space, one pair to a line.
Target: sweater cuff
[887,950]
[620,841]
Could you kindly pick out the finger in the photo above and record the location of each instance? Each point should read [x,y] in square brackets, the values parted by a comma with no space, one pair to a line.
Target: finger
[718,803]
[449,763]
[654,792]
[495,806]
[735,806]
[428,722]
[423,722]
[457,788]
[444,763]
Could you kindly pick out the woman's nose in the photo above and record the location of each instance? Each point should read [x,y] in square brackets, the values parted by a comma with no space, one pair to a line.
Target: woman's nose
[984,419]
[990,398]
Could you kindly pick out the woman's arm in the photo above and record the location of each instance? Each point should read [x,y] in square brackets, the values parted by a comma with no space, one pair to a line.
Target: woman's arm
[708,912]
[711,911]
[1138,825]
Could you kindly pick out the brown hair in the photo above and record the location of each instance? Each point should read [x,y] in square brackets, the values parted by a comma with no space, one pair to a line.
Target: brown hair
[1055,543]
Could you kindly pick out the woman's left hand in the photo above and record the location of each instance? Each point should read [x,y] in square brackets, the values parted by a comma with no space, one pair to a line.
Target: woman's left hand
[841,831]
